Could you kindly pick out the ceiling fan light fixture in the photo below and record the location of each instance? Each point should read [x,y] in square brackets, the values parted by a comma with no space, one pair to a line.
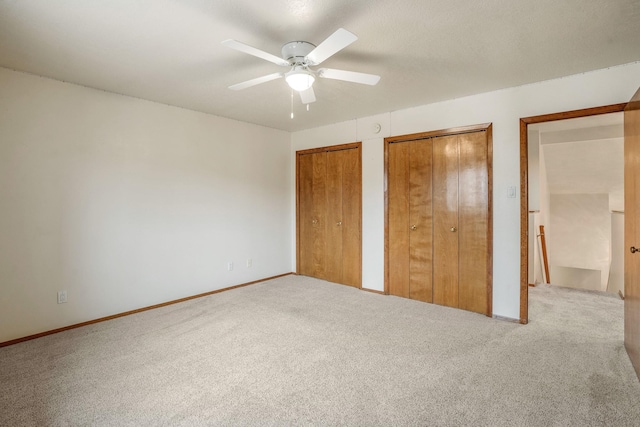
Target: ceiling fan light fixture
[299,79]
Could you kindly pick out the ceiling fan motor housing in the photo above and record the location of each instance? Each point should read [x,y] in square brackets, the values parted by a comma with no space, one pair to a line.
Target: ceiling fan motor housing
[296,52]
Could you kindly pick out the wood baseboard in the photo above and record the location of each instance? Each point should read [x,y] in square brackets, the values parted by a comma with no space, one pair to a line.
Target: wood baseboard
[127,313]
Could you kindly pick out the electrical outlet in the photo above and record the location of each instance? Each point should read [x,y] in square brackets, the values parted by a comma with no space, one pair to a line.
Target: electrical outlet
[62,297]
[230,265]
[249,263]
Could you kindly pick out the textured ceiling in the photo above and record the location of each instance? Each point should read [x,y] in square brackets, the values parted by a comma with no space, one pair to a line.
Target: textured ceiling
[424,50]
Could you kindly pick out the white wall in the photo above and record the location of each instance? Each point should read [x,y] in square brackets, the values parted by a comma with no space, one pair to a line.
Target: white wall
[581,228]
[534,170]
[538,203]
[616,273]
[616,200]
[127,203]
[503,108]
[545,195]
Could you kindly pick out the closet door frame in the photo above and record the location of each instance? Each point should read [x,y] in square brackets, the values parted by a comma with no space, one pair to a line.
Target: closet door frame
[350,146]
[487,127]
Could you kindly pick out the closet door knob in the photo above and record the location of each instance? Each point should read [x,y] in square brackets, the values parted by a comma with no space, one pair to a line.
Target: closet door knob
[634,249]
[339,223]
[453,229]
[314,222]
[413,227]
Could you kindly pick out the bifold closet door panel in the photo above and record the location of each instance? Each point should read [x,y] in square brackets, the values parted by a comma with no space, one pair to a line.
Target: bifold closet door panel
[312,205]
[305,214]
[333,272]
[351,218]
[473,219]
[398,218]
[420,220]
[445,220]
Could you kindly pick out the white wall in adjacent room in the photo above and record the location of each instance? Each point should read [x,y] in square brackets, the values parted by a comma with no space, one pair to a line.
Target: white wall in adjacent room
[616,273]
[581,228]
[127,203]
[503,108]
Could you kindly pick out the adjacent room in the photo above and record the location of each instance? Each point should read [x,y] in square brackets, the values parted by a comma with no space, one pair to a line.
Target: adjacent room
[576,192]
[304,212]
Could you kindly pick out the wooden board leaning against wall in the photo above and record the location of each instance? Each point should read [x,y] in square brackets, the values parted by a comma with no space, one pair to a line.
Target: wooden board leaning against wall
[329,213]
[438,219]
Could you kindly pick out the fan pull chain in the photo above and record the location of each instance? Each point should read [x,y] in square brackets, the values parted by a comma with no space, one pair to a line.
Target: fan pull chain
[292,104]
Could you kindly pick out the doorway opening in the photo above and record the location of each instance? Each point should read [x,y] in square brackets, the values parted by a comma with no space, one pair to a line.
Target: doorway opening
[557,128]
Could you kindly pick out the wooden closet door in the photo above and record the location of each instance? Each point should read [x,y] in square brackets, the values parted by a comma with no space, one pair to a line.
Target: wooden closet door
[410,219]
[351,217]
[312,201]
[398,218]
[445,220]
[334,229]
[329,212]
[421,221]
[473,214]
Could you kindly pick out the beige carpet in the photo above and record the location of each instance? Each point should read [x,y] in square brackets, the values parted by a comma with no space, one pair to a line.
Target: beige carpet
[295,351]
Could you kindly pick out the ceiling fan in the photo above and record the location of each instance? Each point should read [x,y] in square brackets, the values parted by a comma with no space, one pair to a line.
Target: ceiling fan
[300,56]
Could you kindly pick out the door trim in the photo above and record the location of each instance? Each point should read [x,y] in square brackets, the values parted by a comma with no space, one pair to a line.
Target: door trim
[487,127]
[524,188]
[436,133]
[349,146]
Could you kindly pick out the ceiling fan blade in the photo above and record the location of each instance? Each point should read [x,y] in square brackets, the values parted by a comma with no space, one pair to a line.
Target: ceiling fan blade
[256,81]
[349,76]
[308,96]
[332,44]
[245,48]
